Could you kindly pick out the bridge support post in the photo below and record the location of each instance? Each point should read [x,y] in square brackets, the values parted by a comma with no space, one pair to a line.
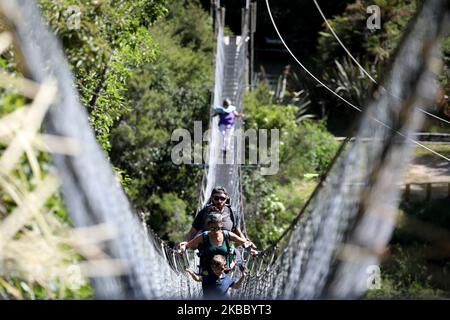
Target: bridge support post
[407,192]
[428,197]
[252,31]
[222,16]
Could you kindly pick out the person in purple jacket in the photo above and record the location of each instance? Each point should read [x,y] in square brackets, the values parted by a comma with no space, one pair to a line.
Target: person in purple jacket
[226,114]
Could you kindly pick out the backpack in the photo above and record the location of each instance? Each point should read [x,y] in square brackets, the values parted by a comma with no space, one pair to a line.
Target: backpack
[205,260]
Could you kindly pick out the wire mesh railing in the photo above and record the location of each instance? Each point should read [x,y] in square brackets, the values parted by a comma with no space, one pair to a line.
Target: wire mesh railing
[90,189]
[346,224]
[341,231]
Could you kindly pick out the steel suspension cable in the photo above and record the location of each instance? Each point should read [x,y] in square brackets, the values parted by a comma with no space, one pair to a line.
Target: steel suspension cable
[360,66]
[341,98]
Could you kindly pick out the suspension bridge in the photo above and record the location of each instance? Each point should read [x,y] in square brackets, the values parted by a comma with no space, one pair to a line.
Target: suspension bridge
[341,231]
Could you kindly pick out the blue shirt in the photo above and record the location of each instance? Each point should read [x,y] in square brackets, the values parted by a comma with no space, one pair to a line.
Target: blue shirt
[215,287]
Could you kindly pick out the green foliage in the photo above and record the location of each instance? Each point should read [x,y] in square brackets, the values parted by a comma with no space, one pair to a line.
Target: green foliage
[35,291]
[110,44]
[310,149]
[169,216]
[125,179]
[294,196]
[49,228]
[350,83]
[417,267]
[374,46]
[306,147]
[374,49]
[406,276]
[261,95]
[444,77]
[10,100]
[170,93]
[266,224]
[56,205]
[190,25]
[28,288]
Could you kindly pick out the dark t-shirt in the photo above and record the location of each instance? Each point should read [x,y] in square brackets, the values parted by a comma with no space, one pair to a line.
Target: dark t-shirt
[216,287]
[200,220]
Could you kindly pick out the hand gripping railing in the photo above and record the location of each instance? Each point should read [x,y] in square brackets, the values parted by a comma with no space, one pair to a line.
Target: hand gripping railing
[344,226]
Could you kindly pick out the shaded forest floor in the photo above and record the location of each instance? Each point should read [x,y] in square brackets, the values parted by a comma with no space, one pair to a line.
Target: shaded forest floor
[417,264]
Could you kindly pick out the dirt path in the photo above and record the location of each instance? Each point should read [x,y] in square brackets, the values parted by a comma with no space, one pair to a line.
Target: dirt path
[428,169]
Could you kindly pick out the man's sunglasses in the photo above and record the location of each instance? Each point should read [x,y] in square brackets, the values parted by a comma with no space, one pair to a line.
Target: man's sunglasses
[215,228]
[220,198]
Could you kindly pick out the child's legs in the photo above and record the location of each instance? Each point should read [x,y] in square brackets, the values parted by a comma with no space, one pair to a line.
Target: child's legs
[229,134]
[223,131]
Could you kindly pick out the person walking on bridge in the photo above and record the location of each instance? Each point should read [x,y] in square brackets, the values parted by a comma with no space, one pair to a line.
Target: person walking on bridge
[231,220]
[217,284]
[227,114]
[215,241]
[219,202]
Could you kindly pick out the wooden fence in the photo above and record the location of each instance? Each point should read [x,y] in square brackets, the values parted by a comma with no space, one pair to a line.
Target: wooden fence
[426,188]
